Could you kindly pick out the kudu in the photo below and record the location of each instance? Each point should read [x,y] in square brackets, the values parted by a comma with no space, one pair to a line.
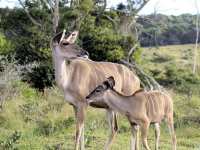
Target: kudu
[141,109]
[77,77]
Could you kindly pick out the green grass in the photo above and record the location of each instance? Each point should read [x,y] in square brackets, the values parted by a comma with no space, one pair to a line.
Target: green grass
[32,121]
[180,55]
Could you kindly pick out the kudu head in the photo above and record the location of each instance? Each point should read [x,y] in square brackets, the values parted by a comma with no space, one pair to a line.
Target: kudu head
[64,46]
[98,93]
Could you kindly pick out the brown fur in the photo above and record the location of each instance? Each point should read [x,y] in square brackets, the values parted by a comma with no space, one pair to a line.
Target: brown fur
[138,91]
[141,108]
[77,77]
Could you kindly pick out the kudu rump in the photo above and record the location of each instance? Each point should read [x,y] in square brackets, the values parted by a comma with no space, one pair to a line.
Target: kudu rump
[77,76]
[141,108]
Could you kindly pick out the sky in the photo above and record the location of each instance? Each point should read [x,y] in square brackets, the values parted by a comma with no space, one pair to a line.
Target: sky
[168,7]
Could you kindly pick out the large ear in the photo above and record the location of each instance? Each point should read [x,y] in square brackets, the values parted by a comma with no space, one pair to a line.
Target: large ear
[72,37]
[110,82]
[57,38]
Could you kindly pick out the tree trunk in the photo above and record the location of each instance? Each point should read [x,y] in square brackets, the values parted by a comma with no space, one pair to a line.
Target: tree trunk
[55,16]
[197,39]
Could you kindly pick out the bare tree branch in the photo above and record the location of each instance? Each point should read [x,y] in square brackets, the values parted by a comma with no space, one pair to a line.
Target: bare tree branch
[29,15]
[48,5]
[141,6]
[113,21]
[130,53]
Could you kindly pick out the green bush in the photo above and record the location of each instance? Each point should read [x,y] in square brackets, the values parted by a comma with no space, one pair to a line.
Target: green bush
[47,126]
[6,46]
[41,76]
[180,79]
[30,43]
[9,143]
[29,112]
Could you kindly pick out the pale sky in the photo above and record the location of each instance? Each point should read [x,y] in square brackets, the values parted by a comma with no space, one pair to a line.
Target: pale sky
[168,7]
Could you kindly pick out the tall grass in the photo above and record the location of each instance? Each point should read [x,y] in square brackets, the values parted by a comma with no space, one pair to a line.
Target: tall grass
[31,120]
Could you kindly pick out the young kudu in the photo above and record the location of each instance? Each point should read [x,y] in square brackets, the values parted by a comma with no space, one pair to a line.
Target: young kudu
[77,76]
[141,108]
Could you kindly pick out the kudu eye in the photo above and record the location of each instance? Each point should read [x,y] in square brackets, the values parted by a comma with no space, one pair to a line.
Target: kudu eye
[97,90]
[66,43]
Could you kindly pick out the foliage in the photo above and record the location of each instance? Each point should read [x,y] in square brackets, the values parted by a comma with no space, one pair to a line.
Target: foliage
[9,77]
[5,45]
[102,42]
[158,29]
[30,43]
[180,79]
[10,142]
[11,73]
[31,120]
[41,76]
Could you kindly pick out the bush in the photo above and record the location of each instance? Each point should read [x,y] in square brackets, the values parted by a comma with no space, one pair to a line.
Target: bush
[47,126]
[5,46]
[180,79]
[9,77]
[102,42]
[10,142]
[41,76]
[158,58]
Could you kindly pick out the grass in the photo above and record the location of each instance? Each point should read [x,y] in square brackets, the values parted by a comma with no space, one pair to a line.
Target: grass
[31,121]
[181,55]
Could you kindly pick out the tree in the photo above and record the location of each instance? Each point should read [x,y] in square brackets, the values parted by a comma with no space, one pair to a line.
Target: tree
[102,33]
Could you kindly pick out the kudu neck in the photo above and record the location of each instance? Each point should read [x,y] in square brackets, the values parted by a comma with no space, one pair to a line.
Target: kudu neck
[116,101]
[62,67]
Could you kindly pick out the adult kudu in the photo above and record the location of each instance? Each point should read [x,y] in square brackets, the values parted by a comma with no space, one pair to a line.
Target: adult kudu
[77,76]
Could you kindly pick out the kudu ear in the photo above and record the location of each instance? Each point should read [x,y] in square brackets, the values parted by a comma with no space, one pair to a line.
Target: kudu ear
[110,82]
[72,37]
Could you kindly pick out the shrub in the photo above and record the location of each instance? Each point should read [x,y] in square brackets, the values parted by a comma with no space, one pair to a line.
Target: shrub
[5,46]
[180,79]
[10,75]
[47,126]
[10,142]
[30,112]
[41,76]
[158,58]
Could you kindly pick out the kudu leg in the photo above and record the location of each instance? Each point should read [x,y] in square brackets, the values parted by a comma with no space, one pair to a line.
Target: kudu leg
[144,133]
[170,123]
[135,137]
[112,119]
[157,135]
[82,139]
[79,138]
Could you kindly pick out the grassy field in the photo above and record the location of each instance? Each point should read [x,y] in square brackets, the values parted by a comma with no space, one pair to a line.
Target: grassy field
[31,121]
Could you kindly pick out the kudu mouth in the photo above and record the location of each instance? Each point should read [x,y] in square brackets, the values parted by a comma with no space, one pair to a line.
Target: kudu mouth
[88,101]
